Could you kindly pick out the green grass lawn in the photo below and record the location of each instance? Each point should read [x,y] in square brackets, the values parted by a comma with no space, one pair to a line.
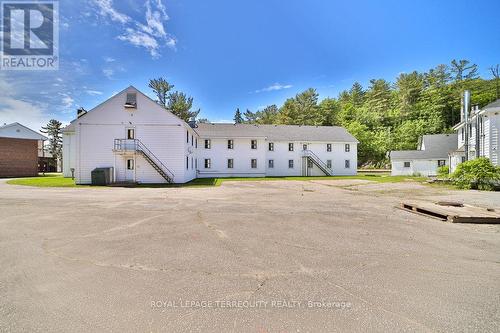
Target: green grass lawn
[47,180]
[57,180]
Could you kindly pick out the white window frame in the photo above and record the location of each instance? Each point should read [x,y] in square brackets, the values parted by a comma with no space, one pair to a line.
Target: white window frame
[207,163]
[329,147]
[208,144]
[329,164]
[271,146]
[347,147]
[230,165]
[230,144]
[290,146]
[270,164]
[253,144]
[405,164]
[252,163]
[291,164]
[347,164]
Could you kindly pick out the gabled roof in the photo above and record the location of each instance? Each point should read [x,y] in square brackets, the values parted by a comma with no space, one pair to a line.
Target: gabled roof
[19,131]
[70,127]
[437,146]
[276,132]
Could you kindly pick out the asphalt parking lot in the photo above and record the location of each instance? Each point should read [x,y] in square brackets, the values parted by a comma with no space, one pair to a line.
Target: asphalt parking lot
[268,256]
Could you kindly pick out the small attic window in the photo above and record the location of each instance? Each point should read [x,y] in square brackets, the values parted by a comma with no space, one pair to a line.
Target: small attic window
[131,101]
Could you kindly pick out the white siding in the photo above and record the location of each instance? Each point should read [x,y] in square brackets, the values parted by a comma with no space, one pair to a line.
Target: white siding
[417,167]
[69,153]
[160,131]
[242,155]
[494,138]
[172,141]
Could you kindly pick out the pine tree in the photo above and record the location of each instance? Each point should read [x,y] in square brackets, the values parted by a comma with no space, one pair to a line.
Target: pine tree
[238,118]
[180,105]
[53,131]
[462,70]
[161,88]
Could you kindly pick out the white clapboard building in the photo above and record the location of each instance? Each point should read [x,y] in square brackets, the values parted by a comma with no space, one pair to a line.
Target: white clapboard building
[137,140]
[480,136]
[432,152]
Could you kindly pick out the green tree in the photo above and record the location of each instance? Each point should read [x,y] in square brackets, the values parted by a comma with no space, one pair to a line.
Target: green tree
[303,109]
[238,118]
[250,117]
[463,70]
[54,132]
[409,91]
[268,115]
[161,88]
[180,105]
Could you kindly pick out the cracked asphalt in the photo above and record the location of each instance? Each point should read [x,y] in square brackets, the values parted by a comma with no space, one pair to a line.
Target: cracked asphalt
[268,256]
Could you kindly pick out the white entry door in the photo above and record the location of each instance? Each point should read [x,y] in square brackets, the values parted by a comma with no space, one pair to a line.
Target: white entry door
[129,169]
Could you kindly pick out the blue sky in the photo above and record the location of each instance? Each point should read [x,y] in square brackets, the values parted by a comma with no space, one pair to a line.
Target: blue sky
[246,54]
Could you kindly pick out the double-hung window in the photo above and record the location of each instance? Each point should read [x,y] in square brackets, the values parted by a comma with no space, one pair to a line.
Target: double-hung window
[254,144]
[207,144]
[253,163]
[290,146]
[230,144]
[328,147]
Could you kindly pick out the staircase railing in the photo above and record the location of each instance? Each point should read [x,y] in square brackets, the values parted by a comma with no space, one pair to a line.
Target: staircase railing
[316,160]
[136,145]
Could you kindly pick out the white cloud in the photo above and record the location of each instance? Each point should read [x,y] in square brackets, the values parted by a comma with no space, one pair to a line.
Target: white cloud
[150,35]
[109,59]
[223,121]
[108,72]
[106,9]
[274,87]
[93,92]
[15,109]
[141,39]
[67,101]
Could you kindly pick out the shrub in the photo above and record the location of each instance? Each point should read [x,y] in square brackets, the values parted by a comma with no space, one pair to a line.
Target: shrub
[443,171]
[478,174]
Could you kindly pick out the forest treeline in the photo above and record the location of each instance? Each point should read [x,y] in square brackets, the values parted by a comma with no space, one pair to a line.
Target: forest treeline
[388,115]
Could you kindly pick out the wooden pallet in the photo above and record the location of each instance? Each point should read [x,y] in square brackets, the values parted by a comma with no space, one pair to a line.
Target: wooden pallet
[451,212]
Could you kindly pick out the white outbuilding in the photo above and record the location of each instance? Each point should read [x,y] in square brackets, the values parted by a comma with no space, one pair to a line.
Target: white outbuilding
[433,152]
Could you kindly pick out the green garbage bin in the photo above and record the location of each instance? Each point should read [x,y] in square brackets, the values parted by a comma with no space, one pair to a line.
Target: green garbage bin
[101,176]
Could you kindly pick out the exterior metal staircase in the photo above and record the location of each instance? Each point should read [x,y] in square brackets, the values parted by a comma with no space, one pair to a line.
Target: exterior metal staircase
[135,145]
[318,162]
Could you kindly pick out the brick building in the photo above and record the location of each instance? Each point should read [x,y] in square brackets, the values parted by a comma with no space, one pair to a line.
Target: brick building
[19,150]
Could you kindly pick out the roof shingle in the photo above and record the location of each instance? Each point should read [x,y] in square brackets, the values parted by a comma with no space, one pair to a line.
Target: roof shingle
[276,132]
